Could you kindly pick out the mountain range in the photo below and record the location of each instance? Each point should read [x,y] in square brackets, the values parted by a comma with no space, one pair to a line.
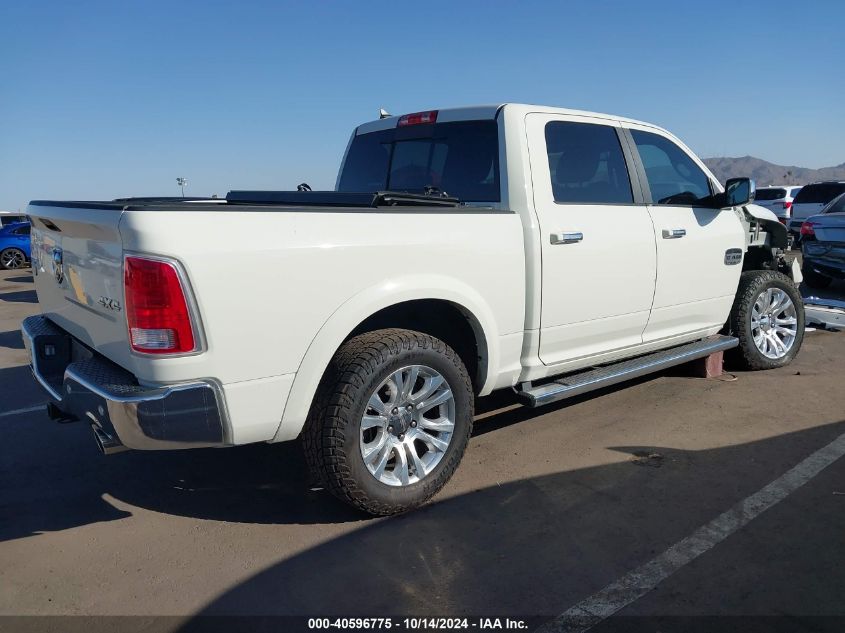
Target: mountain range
[766,173]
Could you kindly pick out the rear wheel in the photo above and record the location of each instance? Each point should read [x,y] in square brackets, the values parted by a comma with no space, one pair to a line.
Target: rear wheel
[768,319]
[391,420]
[12,258]
[814,279]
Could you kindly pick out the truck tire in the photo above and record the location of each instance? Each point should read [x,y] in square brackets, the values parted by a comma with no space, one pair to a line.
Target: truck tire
[768,319]
[390,421]
[814,279]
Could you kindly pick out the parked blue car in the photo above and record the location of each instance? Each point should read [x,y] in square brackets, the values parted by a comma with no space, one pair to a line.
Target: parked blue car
[823,245]
[14,246]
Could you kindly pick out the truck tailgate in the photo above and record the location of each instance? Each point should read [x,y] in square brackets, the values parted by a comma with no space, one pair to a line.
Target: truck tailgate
[77,261]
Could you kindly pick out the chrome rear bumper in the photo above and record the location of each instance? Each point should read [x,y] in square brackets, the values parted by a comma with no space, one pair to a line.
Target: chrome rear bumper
[86,386]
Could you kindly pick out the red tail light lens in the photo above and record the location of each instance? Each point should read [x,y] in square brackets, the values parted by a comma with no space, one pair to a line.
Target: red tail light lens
[808,228]
[787,204]
[418,118]
[156,308]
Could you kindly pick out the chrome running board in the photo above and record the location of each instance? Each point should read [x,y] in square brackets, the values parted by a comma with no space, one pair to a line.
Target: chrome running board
[596,378]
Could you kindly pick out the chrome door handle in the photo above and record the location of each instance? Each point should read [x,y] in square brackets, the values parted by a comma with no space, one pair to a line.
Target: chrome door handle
[673,234]
[566,238]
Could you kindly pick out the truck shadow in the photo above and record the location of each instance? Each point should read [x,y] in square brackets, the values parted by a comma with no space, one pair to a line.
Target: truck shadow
[526,546]
[68,483]
[259,483]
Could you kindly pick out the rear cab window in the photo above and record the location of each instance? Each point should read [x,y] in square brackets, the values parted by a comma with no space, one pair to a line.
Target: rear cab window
[459,158]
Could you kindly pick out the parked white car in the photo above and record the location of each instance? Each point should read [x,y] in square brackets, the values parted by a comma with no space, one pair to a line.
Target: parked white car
[520,247]
[778,200]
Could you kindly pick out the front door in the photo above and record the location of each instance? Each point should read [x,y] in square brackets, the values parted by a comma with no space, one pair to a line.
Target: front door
[597,241]
[699,249]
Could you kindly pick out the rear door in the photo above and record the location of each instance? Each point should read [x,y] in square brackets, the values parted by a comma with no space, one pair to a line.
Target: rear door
[697,246]
[598,249]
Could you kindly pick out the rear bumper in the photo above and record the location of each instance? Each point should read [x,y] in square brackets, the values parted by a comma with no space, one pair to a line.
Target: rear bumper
[86,386]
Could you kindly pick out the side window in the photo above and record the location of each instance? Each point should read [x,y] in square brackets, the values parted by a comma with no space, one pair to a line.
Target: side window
[586,163]
[673,176]
[24,230]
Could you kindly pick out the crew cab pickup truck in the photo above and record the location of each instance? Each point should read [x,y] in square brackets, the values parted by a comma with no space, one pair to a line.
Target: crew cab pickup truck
[535,249]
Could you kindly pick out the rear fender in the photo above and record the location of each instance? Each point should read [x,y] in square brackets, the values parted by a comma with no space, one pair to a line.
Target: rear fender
[363,305]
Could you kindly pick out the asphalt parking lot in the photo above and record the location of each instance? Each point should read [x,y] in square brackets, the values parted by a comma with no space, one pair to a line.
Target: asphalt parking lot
[549,507]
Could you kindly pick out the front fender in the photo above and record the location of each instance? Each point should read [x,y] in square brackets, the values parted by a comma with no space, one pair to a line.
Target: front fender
[363,305]
[778,233]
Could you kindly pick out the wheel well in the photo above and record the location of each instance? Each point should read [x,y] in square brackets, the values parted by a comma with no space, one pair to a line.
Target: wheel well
[759,258]
[441,319]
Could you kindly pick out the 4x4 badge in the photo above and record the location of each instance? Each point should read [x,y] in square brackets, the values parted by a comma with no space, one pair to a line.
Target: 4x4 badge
[110,304]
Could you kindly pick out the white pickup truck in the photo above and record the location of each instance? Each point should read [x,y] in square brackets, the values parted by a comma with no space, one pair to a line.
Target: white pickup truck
[537,249]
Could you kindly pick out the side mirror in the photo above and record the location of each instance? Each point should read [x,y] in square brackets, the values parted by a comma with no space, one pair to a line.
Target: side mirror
[739,191]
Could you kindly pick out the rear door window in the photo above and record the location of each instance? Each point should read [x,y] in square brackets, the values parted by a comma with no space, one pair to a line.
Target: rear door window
[673,176]
[460,159]
[586,164]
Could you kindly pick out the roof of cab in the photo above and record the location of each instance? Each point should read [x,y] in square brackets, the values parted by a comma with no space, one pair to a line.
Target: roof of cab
[481,112]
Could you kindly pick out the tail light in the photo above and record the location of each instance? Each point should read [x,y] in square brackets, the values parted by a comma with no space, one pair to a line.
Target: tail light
[808,229]
[156,307]
[418,118]
[787,204]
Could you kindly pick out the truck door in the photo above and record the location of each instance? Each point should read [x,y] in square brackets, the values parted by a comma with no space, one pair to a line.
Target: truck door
[699,249]
[597,239]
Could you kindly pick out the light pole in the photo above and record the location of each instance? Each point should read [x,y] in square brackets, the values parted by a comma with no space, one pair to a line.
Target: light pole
[182,182]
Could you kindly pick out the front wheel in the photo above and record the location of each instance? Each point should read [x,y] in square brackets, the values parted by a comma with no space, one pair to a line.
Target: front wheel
[391,420]
[768,319]
[12,259]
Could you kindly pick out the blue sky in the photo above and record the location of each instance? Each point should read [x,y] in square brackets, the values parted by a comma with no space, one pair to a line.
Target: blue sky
[106,99]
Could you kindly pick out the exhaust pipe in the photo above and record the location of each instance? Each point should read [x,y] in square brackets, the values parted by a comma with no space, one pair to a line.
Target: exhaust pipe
[107,444]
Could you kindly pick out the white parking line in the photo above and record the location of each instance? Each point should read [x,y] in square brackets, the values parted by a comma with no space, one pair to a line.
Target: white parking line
[635,584]
[39,407]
